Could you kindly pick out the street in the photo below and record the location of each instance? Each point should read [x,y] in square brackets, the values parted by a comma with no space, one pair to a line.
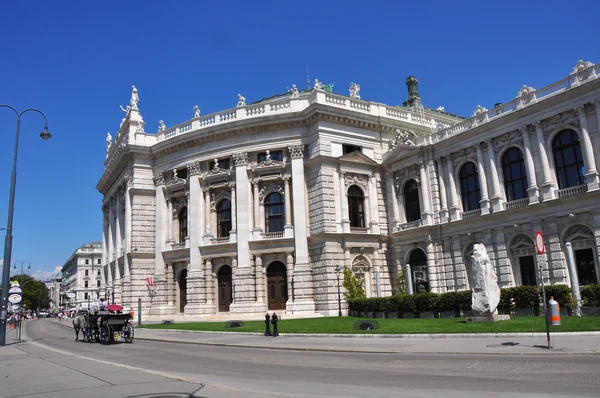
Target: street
[163,369]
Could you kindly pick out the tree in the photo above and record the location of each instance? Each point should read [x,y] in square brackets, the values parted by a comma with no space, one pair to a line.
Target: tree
[354,286]
[401,283]
[35,293]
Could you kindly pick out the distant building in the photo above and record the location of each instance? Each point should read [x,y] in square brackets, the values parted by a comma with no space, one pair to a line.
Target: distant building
[81,277]
[252,209]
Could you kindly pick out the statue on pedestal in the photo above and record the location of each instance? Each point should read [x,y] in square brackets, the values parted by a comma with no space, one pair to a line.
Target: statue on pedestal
[133,102]
[354,90]
[108,142]
[161,126]
[267,324]
[318,85]
[486,293]
[294,91]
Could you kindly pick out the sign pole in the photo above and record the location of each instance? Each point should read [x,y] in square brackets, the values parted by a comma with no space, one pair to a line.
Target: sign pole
[539,245]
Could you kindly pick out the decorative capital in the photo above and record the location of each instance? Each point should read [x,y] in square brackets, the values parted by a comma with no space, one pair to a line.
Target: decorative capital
[159,179]
[240,159]
[194,168]
[538,125]
[296,152]
[524,129]
[128,181]
[580,110]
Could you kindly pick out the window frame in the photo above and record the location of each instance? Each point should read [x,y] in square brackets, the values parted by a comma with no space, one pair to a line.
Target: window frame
[224,226]
[183,223]
[510,182]
[274,222]
[356,206]
[465,192]
[414,204]
[562,170]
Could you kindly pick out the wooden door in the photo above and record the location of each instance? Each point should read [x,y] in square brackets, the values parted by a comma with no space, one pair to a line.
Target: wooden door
[277,291]
[224,282]
[182,290]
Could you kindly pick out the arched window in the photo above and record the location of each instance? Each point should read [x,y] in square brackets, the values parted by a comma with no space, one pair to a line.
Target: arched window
[183,225]
[411,201]
[418,267]
[356,207]
[568,160]
[223,218]
[515,177]
[469,187]
[274,212]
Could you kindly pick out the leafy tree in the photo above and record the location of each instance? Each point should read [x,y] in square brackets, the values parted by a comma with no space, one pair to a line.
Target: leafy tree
[354,286]
[401,283]
[35,293]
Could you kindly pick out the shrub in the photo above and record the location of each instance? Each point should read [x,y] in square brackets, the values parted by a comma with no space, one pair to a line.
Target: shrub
[524,296]
[448,301]
[590,295]
[425,301]
[465,300]
[401,283]
[353,285]
[561,293]
[403,303]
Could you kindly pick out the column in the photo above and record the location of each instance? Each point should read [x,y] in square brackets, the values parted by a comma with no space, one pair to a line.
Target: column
[233,232]
[442,190]
[196,277]
[169,222]
[484,203]
[260,279]
[547,186]
[290,277]
[159,245]
[118,248]
[344,203]
[288,228]
[303,277]
[532,190]
[373,204]
[497,197]
[432,271]
[210,283]
[587,150]
[127,243]
[392,192]
[425,198]
[111,249]
[256,210]
[452,193]
[169,272]
[207,226]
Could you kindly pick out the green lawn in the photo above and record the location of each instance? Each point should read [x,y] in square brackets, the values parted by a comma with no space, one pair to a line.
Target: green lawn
[398,326]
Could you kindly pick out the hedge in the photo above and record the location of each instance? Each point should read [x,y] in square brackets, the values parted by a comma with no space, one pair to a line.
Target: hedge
[590,295]
[514,297]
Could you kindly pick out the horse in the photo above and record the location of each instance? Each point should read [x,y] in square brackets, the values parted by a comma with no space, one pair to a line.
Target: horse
[79,322]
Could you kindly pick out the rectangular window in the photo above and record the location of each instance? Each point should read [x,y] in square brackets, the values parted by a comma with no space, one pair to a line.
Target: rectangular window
[527,271]
[346,149]
[182,173]
[98,272]
[274,155]
[97,283]
[224,164]
[87,261]
[86,272]
[85,296]
[99,261]
[86,284]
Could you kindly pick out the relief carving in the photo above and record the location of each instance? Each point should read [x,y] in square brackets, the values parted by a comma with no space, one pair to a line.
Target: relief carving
[510,138]
[356,179]
[217,195]
[240,159]
[269,188]
[463,155]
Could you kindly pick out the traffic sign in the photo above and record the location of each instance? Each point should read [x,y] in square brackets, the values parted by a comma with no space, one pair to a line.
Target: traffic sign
[539,242]
[15,298]
[71,295]
[15,289]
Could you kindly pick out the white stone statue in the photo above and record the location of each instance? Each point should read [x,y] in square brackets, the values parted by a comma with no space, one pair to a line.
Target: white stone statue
[216,166]
[318,85]
[440,109]
[161,126]
[405,137]
[133,102]
[354,90]
[108,141]
[479,110]
[175,178]
[486,293]
[196,112]
[294,91]
[241,100]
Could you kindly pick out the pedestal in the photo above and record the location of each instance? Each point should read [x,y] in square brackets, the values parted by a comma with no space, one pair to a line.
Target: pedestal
[488,319]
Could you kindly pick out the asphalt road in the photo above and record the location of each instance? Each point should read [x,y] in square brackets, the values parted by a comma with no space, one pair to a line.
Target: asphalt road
[237,372]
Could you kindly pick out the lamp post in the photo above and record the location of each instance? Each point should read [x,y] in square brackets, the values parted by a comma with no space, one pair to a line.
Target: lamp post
[337,273]
[23,290]
[9,224]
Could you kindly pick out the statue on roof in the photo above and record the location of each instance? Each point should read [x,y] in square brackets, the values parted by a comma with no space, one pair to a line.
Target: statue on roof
[404,137]
[241,100]
[318,85]
[294,91]
[196,112]
[108,142]
[161,126]
[133,102]
[354,90]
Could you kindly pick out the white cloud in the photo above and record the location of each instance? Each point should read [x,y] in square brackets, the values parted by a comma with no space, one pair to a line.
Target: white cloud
[45,275]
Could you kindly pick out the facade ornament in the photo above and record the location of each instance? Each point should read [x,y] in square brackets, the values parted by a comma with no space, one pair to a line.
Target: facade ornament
[135,98]
[108,142]
[405,137]
[318,85]
[354,90]
[161,126]
[465,154]
[294,91]
[356,179]
[140,127]
[196,112]
[296,152]
[241,100]
[128,181]
[525,90]
[479,110]
[441,109]
[268,157]
[511,138]
[159,179]
[216,165]
[217,195]
[240,159]
[558,121]
[194,168]
[268,188]
[581,66]
[105,210]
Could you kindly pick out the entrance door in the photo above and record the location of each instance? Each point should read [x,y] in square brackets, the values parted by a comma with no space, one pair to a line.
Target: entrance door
[224,280]
[586,269]
[182,290]
[277,286]
[528,271]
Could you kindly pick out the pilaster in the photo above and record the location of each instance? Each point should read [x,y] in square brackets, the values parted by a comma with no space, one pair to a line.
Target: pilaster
[547,186]
[532,190]
[442,190]
[497,197]
[591,176]
[484,202]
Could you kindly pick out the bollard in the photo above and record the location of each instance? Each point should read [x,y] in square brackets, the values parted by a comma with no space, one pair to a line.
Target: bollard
[267,324]
[274,320]
[554,312]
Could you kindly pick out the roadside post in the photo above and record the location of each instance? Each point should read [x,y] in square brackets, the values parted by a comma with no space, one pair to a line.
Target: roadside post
[539,245]
[139,311]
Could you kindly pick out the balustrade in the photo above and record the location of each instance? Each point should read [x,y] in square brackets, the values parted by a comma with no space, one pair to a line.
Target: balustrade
[572,191]
[515,204]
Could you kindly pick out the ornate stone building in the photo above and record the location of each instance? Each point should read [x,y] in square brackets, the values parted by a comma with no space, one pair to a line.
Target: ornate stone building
[251,209]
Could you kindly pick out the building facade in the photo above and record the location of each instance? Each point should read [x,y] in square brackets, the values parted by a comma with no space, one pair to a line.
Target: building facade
[81,277]
[253,208]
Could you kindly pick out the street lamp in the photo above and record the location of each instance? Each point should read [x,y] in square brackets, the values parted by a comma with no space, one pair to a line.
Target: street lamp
[337,272]
[22,289]
[9,224]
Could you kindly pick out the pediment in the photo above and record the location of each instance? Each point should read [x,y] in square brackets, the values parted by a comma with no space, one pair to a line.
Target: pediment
[400,152]
[357,157]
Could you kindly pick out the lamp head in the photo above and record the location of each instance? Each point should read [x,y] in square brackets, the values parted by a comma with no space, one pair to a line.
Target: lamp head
[45,134]
[337,269]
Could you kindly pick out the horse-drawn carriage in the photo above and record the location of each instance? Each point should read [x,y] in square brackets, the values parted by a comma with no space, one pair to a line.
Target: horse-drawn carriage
[106,327]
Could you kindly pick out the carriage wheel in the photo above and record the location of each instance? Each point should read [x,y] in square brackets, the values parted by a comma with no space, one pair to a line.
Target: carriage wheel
[105,333]
[128,332]
[87,335]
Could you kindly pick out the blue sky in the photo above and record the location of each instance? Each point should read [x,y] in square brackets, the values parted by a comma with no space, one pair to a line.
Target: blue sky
[77,60]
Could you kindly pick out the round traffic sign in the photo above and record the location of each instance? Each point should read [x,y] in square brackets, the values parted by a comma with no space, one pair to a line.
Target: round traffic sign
[71,295]
[14,298]
[539,242]
[15,289]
